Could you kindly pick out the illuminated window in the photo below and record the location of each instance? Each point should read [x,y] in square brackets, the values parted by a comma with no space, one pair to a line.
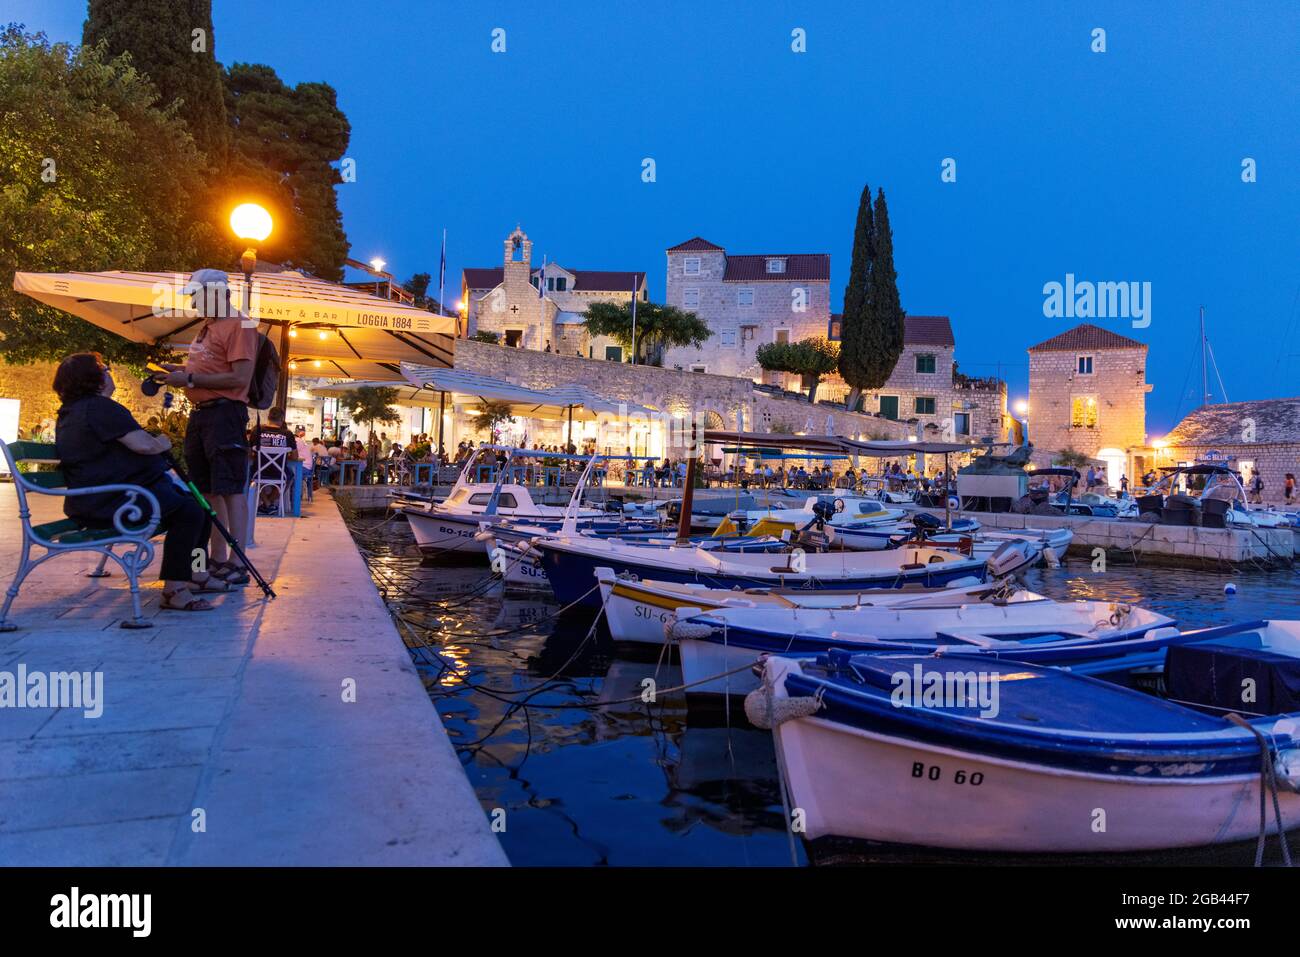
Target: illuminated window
[1083,412]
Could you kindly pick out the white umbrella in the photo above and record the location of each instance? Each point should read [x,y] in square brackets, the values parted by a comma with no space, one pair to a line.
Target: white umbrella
[349,331]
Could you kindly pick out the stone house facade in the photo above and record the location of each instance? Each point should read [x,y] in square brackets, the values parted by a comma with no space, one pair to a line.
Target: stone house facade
[1261,436]
[1087,392]
[746,300]
[925,386]
[505,300]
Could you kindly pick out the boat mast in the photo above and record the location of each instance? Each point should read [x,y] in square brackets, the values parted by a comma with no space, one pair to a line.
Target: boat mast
[1205,369]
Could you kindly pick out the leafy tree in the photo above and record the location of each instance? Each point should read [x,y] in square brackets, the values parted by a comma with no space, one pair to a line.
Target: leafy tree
[491,414]
[810,358]
[369,404]
[418,286]
[161,38]
[1071,458]
[94,175]
[854,362]
[284,143]
[657,327]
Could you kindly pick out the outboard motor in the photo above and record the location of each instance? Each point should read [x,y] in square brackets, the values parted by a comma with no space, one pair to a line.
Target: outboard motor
[825,510]
[1010,557]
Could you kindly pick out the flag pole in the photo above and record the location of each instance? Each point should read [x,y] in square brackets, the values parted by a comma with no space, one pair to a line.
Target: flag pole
[442,272]
[633,318]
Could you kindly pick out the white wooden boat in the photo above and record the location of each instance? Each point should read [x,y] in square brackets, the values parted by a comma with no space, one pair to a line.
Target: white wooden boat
[1038,759]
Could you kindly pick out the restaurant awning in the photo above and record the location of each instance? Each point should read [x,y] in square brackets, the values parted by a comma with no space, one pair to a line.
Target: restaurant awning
[556,403]
[342,327]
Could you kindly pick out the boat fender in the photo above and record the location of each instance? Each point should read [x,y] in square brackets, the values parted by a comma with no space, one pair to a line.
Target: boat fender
[764,710]
[677,628]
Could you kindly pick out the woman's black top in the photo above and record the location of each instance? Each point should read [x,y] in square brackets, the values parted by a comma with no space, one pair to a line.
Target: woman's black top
[86,437]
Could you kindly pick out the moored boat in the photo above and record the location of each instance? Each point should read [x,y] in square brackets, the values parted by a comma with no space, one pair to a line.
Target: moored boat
[1034,759]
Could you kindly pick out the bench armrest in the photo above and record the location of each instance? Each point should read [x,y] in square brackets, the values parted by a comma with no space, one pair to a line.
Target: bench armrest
[132,510]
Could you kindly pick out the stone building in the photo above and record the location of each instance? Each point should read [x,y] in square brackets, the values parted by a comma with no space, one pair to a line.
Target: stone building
[505,300]
[1087,393]
[1261,436]
[746,301]
[926,387]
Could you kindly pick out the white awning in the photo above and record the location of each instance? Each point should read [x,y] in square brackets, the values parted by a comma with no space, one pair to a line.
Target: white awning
[468,387]
[326,321]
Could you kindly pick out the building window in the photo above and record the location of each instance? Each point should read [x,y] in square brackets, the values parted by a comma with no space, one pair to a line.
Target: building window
[747,333]
[889,406]
[782,336]
[961,423]
[925,364]
[744,297]
[691,266]
[614,353]
[727,338]
[776,265]
[1083,412]
[691,298]
[923,405]
[1085,365]
[561,283]
[833,330]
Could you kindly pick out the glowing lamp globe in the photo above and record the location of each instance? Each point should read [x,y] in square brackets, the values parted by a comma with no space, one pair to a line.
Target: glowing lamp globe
[250,222]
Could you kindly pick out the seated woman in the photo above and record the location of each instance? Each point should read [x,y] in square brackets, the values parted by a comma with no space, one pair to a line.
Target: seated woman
[100,443]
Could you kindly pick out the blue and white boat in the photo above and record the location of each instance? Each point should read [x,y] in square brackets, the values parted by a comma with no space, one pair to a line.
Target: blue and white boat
[977,753]
[570,562]
[713,644]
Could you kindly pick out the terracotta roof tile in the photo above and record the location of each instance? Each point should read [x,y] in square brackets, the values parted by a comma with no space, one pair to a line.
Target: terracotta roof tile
[695,243]
[800,267]
[1087,336]
[605,281]
[484,278]
[927,331]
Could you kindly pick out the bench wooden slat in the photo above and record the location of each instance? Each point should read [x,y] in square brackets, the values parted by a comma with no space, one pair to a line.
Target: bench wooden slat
[46,479]
[28,451]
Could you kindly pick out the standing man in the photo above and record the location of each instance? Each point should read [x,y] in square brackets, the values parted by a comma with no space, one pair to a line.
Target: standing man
[215,377]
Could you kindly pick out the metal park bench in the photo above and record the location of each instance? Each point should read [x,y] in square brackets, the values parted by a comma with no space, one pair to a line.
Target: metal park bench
[130,527]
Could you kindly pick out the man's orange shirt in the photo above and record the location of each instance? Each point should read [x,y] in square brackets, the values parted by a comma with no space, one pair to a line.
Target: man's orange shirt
[220,344]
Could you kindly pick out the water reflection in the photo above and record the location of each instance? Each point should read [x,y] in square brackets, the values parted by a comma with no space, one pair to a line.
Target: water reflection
[552,725]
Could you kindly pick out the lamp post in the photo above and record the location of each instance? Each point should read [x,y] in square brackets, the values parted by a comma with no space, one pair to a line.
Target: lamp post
[1021,408]
[252,223]
[378,265]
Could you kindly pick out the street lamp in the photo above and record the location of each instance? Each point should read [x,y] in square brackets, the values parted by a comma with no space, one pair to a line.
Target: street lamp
[377,266]
[251,223]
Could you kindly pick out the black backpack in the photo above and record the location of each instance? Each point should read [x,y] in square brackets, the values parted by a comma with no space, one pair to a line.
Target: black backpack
[266,374]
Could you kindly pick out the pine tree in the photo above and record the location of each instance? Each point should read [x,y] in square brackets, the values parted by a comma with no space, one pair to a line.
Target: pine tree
[853,364]
[171,42]
[883,325]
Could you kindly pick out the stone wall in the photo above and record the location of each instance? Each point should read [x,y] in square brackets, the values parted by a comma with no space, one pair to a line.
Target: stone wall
[676,392]
[1273,460]
[1117,384]
[31,385]
[778,304]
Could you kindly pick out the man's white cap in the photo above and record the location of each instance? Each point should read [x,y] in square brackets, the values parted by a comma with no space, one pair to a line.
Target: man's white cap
[206,278]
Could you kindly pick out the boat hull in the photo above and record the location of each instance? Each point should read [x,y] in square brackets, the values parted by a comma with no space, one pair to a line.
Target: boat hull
[573,575]
[852,783]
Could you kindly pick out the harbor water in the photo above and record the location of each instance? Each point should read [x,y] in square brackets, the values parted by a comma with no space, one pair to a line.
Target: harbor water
[565,755]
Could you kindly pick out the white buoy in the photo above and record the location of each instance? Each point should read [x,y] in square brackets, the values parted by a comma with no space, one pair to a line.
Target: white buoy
[1230,589]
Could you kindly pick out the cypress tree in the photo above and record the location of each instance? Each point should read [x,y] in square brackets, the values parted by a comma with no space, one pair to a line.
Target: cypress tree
[883,314]
[853,364]
[171,42]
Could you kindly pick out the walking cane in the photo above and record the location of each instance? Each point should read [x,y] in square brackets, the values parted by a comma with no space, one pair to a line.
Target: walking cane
[225,533]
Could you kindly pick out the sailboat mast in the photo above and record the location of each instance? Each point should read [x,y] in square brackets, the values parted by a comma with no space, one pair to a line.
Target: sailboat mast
[1205,370]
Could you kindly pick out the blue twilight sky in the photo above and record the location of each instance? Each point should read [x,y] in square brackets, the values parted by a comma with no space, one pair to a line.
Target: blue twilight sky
[1123,165]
